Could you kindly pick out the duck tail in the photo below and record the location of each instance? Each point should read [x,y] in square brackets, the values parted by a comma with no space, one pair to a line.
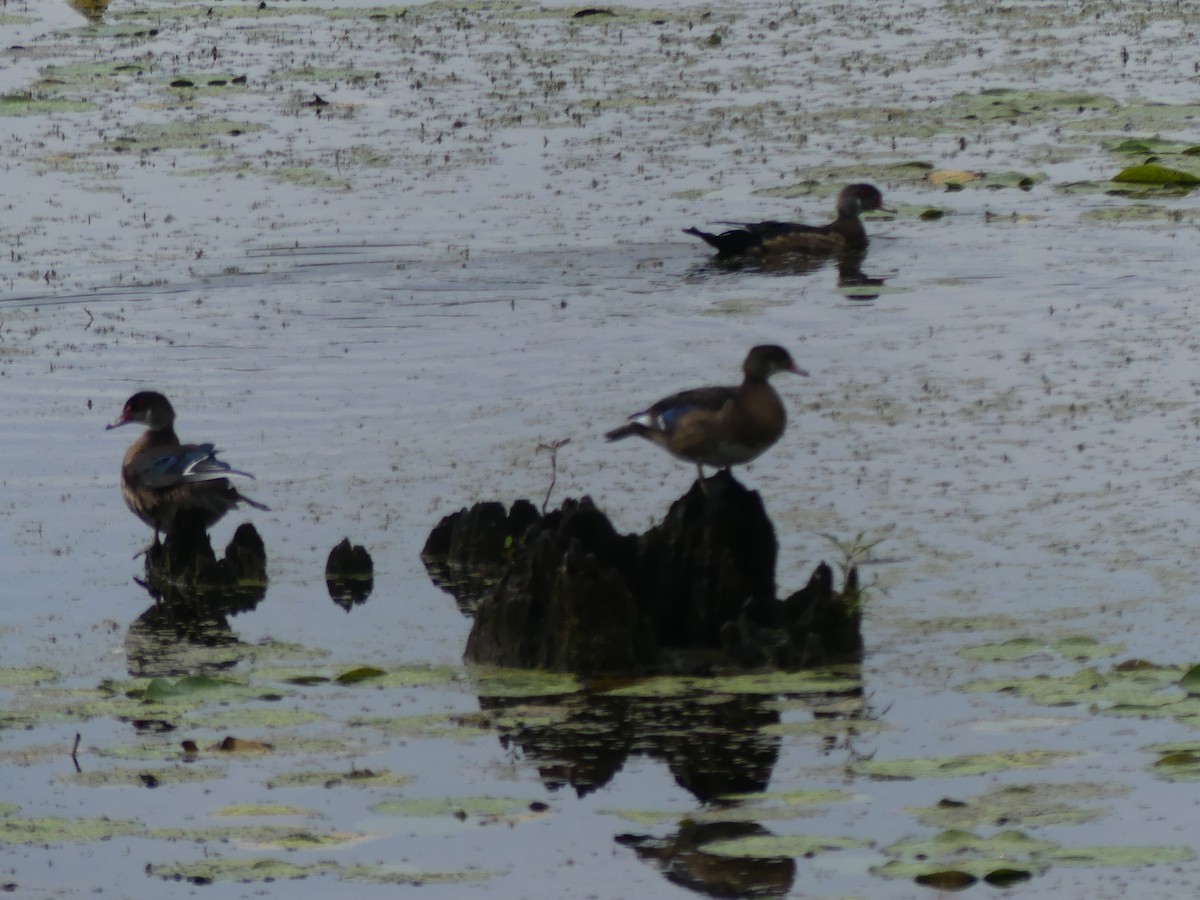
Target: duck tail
[713,240]
[242,498]
[735,242]
[633,428]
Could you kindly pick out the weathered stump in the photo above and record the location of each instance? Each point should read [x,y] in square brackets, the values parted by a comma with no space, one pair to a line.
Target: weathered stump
[185,568]
[566,592]
[564,603]
[349,574]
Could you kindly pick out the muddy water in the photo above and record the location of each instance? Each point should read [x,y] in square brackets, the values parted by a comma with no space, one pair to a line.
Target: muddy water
[382,305]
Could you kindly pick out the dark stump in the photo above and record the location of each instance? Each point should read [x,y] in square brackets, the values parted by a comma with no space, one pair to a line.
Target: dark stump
[566,592]
[349,574]
[185,568]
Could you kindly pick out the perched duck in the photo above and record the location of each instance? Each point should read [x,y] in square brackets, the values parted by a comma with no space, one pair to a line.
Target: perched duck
[844,234]
[161,478]
[719,426]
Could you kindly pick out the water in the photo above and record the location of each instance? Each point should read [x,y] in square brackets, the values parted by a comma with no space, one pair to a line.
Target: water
[383,307]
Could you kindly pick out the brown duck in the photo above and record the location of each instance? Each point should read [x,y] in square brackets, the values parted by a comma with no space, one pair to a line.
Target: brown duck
[719,426]
[845,234]
[162,479]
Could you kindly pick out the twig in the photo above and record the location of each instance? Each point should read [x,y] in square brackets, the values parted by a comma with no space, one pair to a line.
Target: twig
[75,753]
[553,448]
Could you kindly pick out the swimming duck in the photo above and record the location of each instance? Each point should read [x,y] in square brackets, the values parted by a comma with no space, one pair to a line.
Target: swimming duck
[843,234]
[719,426]
[161,478]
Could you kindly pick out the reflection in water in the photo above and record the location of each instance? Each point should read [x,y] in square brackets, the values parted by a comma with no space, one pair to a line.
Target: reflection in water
[715,743]
[591,743]
[849,269]
[180,639]
[682,860]
[92,9]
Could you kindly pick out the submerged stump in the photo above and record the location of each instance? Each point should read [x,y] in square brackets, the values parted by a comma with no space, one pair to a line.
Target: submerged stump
[567,592]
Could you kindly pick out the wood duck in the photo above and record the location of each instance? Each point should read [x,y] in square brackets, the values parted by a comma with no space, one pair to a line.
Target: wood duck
[161,478]
[719,426]
[844,234]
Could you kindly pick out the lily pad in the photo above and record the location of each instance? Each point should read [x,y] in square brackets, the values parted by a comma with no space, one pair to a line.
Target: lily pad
[957,766]
[247,810]
[1018,648]
[263,869]
[366,778]
[55,830]
[458,807]
[22,677]
[1128,856]
[764,846]
[402,874]
[1024,805]
[1155,174]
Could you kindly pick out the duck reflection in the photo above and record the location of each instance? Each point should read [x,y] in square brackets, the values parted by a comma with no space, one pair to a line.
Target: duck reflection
[849,266]
[682,860]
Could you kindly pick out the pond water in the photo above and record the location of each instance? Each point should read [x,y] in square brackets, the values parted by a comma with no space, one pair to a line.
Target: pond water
[379,255]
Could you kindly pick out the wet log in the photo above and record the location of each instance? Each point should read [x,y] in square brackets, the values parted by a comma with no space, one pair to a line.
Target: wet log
[694,593]
[565,603]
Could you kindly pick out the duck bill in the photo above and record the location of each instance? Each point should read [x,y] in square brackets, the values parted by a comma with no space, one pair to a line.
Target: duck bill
[124,420]
[795,370]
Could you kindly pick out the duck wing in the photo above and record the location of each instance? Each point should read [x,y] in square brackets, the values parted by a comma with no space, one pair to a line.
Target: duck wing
[186,464]
[667,413]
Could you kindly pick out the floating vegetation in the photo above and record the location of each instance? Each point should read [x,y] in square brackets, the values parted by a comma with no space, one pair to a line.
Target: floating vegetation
[507,809]
[956,858]
[1020,648]
[210,871]
[21,677]
[146,778]
[1023,805]
[361,778]
[1132,688]
[767,846]
[1151,173]
[31,105]
[401,874]
[958,766]
[56,830]
[249,810]
[459,726]
[195,134]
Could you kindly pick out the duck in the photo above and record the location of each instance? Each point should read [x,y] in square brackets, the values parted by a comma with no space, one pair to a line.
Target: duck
[845,234]
[162,479]
[719,426]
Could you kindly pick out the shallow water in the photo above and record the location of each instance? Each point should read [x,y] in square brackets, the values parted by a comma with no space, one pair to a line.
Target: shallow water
[382,306]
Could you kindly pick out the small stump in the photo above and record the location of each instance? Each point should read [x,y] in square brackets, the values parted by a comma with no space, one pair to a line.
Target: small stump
[349,574]
[184,568]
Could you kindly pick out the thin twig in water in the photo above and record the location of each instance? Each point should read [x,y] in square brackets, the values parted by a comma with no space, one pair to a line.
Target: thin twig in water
[91,318]
[75,753]
[553,448]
